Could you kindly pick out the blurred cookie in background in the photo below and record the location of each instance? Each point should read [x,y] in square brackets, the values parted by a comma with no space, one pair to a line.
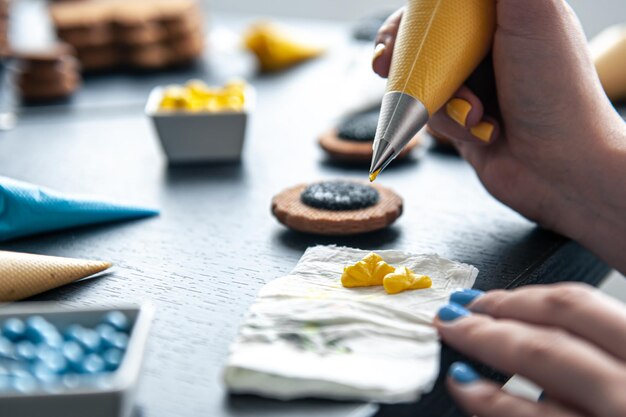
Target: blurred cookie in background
[351,141]
[147,34]
[367,28]
[47,75]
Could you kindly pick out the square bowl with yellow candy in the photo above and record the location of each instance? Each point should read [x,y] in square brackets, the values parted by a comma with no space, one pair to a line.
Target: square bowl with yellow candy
[198,123]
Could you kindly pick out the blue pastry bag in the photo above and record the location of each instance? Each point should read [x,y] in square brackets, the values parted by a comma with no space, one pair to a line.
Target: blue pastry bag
[27,209]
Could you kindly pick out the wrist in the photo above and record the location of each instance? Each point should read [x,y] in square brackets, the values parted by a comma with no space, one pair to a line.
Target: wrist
[595,209]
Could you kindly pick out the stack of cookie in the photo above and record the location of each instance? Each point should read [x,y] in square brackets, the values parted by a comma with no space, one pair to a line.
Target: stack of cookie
[48,75]
[149,34]
[4,26]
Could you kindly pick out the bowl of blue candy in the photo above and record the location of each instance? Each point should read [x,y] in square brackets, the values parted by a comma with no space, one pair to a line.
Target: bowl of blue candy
[58,362]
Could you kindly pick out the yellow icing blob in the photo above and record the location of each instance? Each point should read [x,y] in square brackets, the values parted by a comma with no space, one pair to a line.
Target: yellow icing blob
[197,96]
[276,48]
[374,175]
[403,279]
[368,272]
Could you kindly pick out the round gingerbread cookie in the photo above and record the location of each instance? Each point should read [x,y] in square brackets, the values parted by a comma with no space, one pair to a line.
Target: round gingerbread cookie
[352,139]
[338,207]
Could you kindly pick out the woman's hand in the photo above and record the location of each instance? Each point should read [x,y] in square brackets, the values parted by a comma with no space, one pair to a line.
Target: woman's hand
[569,339]
[552,147]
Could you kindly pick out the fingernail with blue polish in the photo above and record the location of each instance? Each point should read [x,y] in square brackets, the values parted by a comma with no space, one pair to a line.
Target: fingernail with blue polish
[465,296]
[452,311]
[463,373]
[542,397]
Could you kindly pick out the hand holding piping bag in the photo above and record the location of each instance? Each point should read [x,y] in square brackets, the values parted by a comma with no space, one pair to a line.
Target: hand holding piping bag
[439,44]
[553,147]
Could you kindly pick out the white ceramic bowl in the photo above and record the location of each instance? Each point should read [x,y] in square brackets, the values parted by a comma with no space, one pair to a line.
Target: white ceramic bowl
[112,396]
[188,137]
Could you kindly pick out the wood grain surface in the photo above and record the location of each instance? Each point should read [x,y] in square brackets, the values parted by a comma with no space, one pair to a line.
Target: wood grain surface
[215,244]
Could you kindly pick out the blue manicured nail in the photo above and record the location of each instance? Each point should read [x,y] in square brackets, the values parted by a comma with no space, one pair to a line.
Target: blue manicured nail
[463,373]
[465,296]
[452,311]
[542,397]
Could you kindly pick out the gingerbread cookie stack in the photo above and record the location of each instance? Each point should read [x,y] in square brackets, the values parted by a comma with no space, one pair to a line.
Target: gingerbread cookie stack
[49,75]
[148,34]
[4,28]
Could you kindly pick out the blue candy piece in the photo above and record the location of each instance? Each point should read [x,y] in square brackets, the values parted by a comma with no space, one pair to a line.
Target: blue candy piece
[36,327]
[7,349]
[24,383]
[52,338]
[73,354]
[107,335]
[117,319]
[93,364]
[44,374]
[44,350]
[120,341]
[71,381]
[89,340]
[55,361]
[73,332]
[26,351]
[112,358]
[13,329]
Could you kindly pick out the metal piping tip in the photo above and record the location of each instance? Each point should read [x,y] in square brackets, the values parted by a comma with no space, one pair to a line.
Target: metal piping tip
[401,117]
[384,153]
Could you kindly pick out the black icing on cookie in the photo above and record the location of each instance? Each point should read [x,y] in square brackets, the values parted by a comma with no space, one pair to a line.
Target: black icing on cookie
[339,195]
[359,128]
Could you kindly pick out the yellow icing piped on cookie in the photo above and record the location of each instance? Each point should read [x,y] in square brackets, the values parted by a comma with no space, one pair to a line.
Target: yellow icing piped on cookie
[368,272]
[403,279]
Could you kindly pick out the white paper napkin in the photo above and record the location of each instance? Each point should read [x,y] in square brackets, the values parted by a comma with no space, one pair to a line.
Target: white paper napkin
[308,336]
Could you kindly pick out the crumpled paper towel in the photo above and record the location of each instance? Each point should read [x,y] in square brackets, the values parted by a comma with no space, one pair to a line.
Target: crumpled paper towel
[307,336]
[27,209]
[23,275]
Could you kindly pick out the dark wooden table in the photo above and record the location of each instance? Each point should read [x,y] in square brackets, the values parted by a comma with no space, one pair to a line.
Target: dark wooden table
[215,244]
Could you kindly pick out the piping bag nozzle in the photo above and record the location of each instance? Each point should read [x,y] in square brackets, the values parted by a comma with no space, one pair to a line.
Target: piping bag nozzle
[401,117]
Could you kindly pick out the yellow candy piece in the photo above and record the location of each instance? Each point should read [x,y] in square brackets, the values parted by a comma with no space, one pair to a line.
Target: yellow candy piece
[368,272]
[403,279]
[195,105]
[174,97]
[197,87]
[276,48]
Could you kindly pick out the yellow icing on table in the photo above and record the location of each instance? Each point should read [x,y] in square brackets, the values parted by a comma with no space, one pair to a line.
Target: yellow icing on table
[368,272]
[403,279]
[196,96]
